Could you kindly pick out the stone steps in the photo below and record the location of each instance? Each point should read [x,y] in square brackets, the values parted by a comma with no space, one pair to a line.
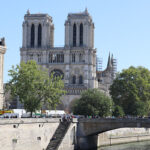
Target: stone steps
[58,136]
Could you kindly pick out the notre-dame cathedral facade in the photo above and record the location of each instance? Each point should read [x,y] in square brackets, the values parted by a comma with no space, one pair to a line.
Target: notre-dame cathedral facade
[75,61]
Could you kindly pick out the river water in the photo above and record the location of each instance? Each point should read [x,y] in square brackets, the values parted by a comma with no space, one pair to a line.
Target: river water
[131,146]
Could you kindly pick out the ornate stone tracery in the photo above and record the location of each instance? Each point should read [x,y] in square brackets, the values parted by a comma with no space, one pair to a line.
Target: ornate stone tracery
[57,73]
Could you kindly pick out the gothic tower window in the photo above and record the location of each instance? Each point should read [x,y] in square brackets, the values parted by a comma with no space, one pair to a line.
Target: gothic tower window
[81,34]
[80,80]
[73,58]
[39,58]
[80,57]
[32,35]
[58,58]
[50,58]
[74,80]
[39,35]
[74,35]
[62,57]
[54,58]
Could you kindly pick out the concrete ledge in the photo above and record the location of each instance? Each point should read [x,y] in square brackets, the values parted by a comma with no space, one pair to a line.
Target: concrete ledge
[100,120]
[6,121]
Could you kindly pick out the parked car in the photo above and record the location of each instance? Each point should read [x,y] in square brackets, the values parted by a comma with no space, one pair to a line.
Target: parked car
[10,115]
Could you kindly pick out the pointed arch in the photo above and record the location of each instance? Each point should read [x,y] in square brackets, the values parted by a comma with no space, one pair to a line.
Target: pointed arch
[81,34]
[74,34]
[50,58]
[39,35]
[80,57]
[32,35]
[80,79]
[74,79]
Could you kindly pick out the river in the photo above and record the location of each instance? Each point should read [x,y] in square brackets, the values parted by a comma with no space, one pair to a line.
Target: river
[131,146]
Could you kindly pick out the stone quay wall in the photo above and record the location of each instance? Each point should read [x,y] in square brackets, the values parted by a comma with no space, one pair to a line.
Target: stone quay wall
[33,134]
[123,135]
[26,134]
[69,142]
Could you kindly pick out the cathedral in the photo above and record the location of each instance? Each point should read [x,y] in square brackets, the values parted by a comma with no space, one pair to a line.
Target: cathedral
[76,61]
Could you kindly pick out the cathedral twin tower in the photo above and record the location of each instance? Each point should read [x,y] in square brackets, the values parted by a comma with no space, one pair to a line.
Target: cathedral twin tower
[38,31]
[76,61]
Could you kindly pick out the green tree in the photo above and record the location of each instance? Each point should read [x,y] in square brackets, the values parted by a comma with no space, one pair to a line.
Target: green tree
[93,102]
[32,84]
[118,111]
[131,91]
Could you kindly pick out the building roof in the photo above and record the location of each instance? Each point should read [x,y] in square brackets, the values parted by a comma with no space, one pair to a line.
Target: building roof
[37,15]
[85,13]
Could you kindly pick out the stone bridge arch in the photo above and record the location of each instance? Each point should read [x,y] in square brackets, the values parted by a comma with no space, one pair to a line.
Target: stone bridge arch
[88,129]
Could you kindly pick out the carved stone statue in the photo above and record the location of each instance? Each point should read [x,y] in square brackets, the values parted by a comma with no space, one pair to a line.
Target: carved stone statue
[2,41]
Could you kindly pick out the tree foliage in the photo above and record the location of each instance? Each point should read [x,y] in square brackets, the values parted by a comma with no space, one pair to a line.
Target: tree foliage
[32,84]
[118,111]
[131,91]
[93,102]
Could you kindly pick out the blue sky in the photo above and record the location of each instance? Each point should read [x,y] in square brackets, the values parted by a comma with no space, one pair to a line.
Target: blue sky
[122,27]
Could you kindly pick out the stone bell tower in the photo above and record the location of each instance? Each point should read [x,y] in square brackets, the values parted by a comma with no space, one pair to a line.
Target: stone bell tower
[79,30]
[38,36]
[38,31]
[2,52]
[79,38]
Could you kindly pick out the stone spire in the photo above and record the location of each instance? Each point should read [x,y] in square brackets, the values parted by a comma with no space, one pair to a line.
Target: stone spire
[28,12]
[109,64]
[86,10]
[112,59]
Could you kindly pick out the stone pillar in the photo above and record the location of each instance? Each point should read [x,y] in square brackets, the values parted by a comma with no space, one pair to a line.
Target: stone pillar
[2,52]
[67,33]
[77,33]
[45,57]
[71,35]
[66,78]
[85,34]
[44,35]
[92,35]
[47,34]
[36,36]
[29,36]
[24,39]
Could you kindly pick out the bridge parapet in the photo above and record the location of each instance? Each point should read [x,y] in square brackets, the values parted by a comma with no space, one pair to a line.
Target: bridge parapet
[88,127]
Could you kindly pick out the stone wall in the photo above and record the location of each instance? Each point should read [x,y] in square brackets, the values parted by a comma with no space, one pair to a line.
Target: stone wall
[26,134]
[124,135]
[69,142]
[33,134]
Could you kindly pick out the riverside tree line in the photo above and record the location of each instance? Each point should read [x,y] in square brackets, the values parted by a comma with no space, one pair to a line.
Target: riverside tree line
[129,93]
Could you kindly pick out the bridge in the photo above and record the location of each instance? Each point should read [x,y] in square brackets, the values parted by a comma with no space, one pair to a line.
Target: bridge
[88,129]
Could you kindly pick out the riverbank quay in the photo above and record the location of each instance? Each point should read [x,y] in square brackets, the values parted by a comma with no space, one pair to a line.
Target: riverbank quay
[33,134]
[122,136]
[97,132]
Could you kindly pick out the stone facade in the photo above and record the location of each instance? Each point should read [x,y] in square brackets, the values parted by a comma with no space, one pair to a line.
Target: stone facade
[76,61]
[2,52]
[33,134]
